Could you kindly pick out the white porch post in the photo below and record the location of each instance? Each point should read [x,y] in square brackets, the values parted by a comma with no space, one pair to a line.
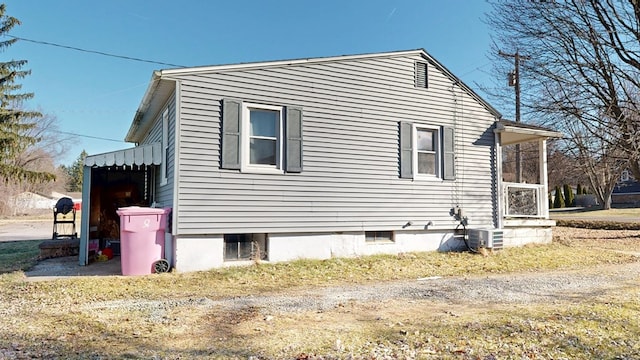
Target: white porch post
[544,180]
[83,251]
[499,192]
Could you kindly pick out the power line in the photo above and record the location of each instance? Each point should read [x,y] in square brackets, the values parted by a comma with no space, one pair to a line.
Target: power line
[94,51]
[89,136]
[477,68]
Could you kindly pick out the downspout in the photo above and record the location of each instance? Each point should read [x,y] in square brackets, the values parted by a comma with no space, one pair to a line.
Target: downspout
[499,194]
[176,172]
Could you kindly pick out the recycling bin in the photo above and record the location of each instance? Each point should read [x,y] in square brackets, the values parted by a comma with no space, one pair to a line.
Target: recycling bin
[141,238]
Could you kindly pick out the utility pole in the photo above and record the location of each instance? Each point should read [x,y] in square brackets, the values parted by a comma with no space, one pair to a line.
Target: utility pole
[514,80]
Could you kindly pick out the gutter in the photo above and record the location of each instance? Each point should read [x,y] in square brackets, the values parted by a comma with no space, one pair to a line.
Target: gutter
[142,108]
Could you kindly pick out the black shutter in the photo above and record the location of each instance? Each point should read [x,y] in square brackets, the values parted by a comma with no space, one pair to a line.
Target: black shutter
[293,136]
[406,150]
[448,154]
[231,128]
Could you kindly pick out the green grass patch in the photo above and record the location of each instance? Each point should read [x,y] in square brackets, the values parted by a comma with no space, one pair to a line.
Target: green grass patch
[18,255]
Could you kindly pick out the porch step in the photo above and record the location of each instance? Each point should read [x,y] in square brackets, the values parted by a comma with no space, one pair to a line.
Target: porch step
[59,248]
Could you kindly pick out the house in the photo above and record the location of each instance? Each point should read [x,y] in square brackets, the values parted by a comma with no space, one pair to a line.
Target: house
[626,193]
[28,201]
[317,158]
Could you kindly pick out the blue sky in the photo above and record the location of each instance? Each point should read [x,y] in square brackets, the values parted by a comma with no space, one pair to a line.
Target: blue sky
[96,96]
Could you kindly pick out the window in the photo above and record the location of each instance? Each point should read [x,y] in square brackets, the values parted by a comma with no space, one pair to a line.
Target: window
[264,136]
[245,247]
[625,176]
[426,151]
[261,138]
[421,75]
[378,236]
[426,159]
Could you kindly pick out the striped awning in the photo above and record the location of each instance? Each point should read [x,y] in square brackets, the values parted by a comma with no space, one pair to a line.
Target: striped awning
[150,154]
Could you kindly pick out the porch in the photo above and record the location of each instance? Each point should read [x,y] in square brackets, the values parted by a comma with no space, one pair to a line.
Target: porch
[523,207]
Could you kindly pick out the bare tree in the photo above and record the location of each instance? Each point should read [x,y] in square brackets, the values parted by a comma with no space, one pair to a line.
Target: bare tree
[583,75]
[562,166]
[602,161]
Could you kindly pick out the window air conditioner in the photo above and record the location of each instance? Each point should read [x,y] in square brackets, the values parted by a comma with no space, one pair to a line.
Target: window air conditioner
[485,238]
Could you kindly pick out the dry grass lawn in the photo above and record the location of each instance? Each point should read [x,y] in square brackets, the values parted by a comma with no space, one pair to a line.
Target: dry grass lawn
[175,316]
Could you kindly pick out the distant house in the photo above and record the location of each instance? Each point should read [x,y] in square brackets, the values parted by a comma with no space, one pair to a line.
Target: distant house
[627,191]
[317,158]
[29,201]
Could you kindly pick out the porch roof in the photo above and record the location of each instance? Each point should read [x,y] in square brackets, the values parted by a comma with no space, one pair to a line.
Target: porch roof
[149,154]
[512,132]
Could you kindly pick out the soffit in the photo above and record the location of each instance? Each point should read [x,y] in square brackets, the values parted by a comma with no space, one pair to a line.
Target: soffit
[512,132]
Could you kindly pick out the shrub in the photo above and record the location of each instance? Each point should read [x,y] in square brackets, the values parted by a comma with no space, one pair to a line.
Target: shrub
[568,195]
[559,200]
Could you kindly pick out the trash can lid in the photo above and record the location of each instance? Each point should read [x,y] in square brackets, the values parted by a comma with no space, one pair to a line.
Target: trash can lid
[141,210]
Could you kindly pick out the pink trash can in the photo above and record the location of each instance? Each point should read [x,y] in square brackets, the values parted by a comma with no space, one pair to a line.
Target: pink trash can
[141,238]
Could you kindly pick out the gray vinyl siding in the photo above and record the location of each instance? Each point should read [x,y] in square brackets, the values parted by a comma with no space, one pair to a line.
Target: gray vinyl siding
[351,177]
[164,193]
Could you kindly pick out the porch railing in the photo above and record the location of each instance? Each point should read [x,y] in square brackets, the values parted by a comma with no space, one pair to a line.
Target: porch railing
[524,200]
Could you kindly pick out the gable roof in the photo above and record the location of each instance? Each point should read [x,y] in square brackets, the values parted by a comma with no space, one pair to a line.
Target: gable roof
[162,83]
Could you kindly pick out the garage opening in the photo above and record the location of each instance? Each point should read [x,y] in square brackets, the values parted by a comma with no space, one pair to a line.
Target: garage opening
[111,181]
[111,189]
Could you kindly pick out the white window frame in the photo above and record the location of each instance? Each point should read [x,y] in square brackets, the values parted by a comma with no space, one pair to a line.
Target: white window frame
[165,147]
[437,150]
[624,177]
[246,117]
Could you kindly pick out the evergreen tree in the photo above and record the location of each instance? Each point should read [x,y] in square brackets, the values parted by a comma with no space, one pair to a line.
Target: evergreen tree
[550,198]
[579,189]
[569,199]
[15,122]
[75,173]
[559,200]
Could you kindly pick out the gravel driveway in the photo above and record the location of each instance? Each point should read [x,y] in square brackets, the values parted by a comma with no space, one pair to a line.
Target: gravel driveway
[544,287]
[496,289]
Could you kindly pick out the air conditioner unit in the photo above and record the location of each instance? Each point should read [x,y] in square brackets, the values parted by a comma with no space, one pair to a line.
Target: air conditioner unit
[486,238]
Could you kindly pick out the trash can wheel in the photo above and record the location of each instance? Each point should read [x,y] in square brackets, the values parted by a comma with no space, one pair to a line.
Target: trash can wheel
[161,266]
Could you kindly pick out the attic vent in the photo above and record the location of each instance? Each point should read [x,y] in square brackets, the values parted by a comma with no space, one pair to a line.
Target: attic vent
[421,75]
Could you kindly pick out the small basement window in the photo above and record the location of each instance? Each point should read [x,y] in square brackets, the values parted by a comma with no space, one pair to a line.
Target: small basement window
[245,247]
[378,236]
